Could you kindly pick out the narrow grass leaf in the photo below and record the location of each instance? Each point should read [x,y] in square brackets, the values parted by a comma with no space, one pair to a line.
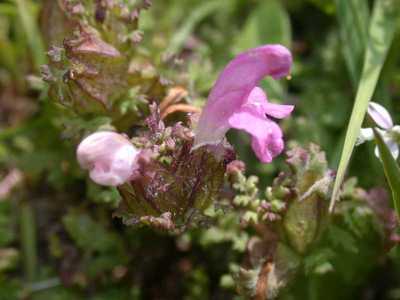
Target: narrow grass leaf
[381,31]
[198,14]
[353,16]
[28,241]
[392,170]
[269,23]
[27,16]
[7,9]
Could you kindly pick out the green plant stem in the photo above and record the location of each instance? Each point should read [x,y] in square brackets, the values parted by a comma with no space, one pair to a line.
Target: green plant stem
[391,169]
[28,241]
[32,32]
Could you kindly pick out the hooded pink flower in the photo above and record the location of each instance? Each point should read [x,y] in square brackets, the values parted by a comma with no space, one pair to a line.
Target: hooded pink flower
[110,158]
[236,102]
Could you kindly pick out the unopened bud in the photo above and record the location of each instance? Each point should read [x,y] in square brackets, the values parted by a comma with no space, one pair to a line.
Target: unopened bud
[109,157]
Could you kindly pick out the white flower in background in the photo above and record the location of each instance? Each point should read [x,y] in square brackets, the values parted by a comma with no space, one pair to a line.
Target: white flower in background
[389,132]
[109,157]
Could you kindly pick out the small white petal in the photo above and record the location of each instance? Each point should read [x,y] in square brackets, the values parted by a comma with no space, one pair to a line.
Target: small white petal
[366,134]
[380,115]
[396,129]
[393,148]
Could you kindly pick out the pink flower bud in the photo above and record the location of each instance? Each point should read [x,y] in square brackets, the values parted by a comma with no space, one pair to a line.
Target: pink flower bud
[109,157]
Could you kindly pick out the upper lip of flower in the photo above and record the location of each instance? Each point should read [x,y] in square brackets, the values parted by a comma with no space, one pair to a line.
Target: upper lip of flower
[380,115]
[382,118]
[235,101]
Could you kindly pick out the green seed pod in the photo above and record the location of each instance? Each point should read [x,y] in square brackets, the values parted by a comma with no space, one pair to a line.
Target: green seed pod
[311,181]
[303,221]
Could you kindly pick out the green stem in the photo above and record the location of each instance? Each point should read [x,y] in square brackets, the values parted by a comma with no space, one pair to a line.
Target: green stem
[28,241]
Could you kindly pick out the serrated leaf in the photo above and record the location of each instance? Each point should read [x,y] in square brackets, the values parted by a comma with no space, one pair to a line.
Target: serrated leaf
[391,168]
[381,33]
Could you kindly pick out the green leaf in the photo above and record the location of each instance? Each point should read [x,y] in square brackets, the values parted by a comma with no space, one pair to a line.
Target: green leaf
[7,232]
[198,14]
[26,12]
[353,18]
[28,240]
[392,170]
[318,261]
[342,239]
[268,24]
[381,32]
[89,234]
[7,9]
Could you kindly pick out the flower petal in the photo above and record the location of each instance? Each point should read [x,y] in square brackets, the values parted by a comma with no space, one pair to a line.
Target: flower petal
[234,85]
[366,134]
[268,147]
[396,129]
[109,157]
[259,101]
[267,139]
[279,111]
[380,115]
[390,143]
[393,147]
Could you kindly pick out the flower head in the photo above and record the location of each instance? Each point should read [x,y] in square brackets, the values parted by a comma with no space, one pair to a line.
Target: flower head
[236,102]
[109,157]
[389,132]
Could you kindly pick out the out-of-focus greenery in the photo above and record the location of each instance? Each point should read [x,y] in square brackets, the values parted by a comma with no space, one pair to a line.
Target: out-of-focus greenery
[58,239]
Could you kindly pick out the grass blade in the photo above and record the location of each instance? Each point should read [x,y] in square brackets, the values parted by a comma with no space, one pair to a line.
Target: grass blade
[381,31]
[353,16]
[28,241]
[199,13]
[269,23]
[32,33]
[392,170]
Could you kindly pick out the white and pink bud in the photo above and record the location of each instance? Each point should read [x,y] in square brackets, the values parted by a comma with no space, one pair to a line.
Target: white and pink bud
[109,157]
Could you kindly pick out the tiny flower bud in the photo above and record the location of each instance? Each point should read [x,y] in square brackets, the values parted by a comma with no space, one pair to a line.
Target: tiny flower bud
[108,156]
[235,167]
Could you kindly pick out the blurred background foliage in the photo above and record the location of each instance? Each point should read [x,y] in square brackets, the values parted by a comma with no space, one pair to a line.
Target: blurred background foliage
[57,237]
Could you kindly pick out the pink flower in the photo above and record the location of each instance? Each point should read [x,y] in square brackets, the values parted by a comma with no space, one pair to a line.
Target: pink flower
[236,102]
[109,157]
